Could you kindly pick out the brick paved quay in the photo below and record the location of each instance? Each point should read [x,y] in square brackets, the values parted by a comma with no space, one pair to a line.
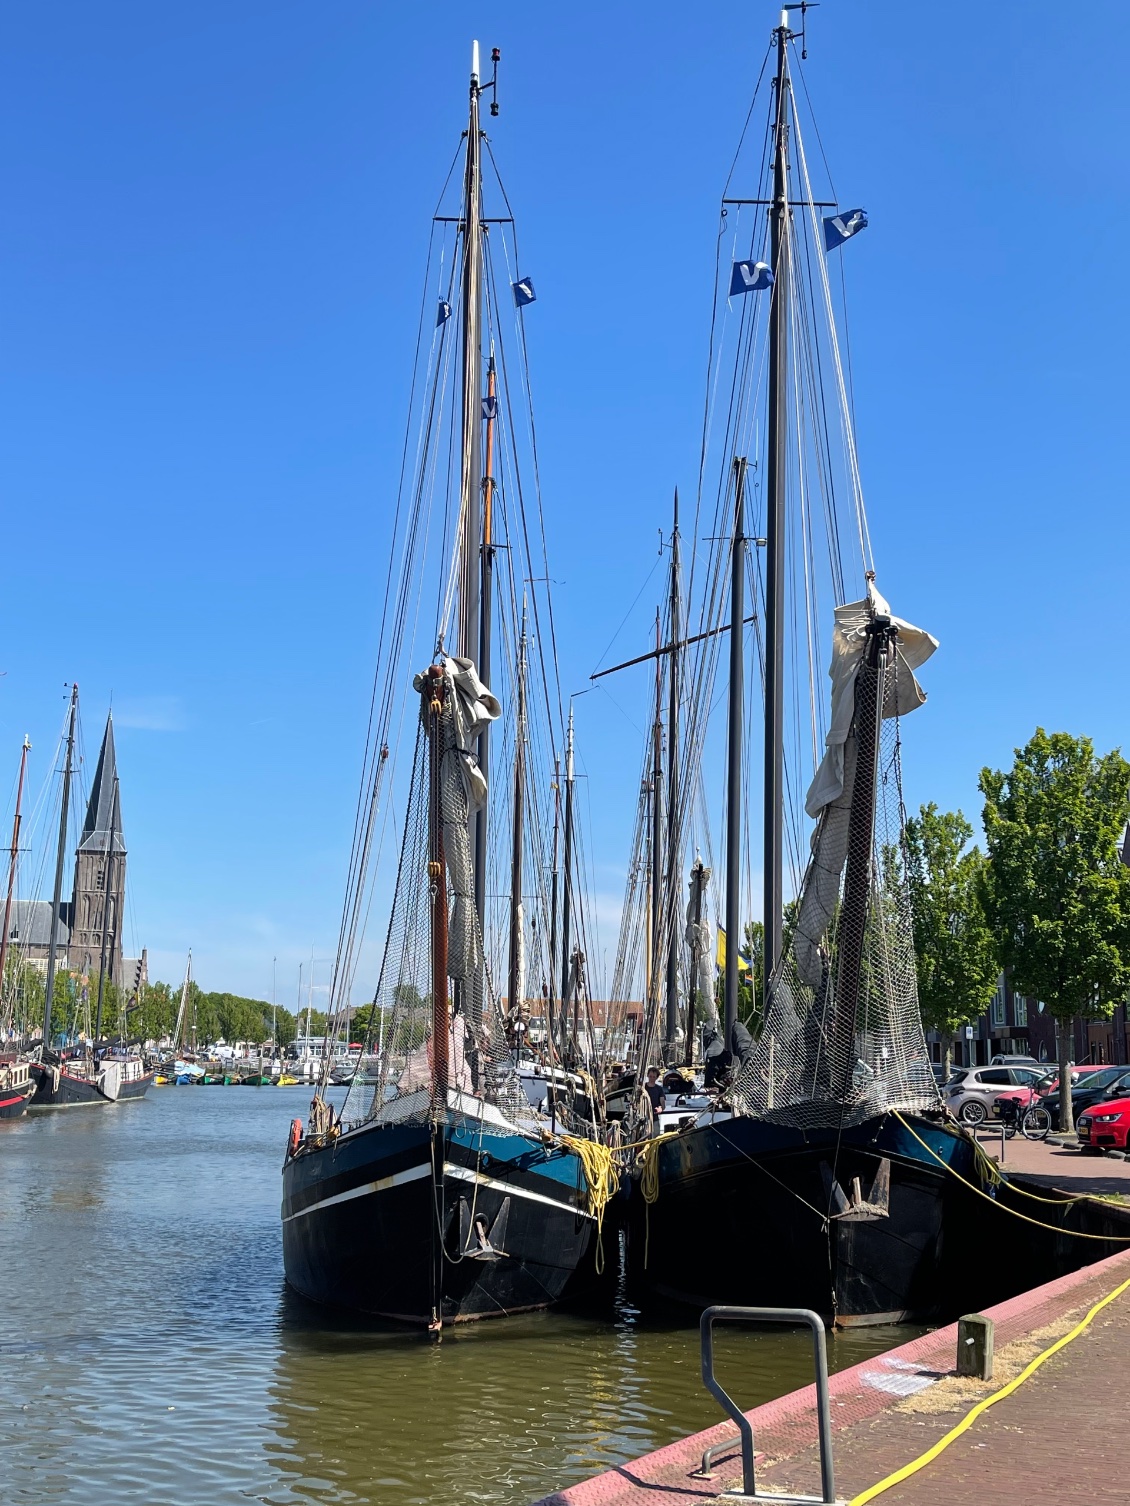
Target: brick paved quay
[1062,1436]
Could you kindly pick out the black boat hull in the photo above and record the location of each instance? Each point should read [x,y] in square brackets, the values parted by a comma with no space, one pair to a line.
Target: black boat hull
[391,1220]
[70,1091]
[742,1211]
[14,1101]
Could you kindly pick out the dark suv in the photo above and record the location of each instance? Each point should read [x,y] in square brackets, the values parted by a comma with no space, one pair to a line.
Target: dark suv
[1096,1087]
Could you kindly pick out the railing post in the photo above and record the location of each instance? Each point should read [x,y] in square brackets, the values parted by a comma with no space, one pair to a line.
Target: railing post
[791,1315]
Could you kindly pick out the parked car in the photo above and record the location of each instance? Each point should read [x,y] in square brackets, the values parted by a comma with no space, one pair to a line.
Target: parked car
[971,1090]
[1107,1082]
[1048,1083]
[1106,1126]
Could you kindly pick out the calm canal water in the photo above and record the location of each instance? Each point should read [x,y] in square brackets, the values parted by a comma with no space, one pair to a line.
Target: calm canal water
[152,1352]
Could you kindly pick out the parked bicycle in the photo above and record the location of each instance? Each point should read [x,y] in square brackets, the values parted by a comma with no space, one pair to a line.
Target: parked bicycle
[1034,1122]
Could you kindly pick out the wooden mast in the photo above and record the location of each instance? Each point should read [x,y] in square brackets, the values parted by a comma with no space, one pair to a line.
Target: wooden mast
[60,859]
[437,877]
[776,522]
[13,860]
[673,844]
[517,829]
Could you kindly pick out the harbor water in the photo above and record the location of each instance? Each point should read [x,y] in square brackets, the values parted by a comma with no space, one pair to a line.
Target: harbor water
[152,1352]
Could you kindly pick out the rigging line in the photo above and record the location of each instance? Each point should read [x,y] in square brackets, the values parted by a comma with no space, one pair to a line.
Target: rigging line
[635,601]
[524,367]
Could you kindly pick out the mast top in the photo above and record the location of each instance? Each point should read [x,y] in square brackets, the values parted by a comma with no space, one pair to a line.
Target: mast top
[474,62]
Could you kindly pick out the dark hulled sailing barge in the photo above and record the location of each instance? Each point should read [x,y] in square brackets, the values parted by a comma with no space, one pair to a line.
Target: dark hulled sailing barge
[821,1175]
[439,1194]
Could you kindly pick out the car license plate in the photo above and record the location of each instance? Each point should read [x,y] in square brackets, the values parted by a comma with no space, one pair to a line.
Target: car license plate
[1084,1130]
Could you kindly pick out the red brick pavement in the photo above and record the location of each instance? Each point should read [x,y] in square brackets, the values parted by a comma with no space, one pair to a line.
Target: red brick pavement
[872,1440]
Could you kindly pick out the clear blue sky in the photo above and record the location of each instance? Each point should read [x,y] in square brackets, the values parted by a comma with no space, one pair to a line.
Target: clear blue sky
[212,226]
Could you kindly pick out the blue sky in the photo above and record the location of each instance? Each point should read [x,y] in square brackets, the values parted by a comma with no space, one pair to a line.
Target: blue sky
[212,236]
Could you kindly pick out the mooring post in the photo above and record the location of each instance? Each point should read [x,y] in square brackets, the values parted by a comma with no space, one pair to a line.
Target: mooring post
[975,1346]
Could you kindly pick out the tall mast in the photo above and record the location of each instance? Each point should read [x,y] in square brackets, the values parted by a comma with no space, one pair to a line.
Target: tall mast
[553,901]
[60,859]
[14,859]
[567,889]
[655,950]
[673,801]
[516,825]
[107,902]
[736,717]
[179,1026]
[486,603]
[471,474]
[775,515]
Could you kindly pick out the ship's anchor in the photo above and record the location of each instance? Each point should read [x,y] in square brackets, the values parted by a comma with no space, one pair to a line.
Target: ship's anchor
[876,1204]
[475,1242]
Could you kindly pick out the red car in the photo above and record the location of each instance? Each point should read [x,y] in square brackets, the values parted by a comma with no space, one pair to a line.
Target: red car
[1105,1126]
[1022,1097]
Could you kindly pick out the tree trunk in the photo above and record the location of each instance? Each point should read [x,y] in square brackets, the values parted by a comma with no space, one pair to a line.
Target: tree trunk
[1066,1031]
[947,1058]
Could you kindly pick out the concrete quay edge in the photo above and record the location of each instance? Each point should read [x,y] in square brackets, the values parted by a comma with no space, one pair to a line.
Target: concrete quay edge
[787,1425]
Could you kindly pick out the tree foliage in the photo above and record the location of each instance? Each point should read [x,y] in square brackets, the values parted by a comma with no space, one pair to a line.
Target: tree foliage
[1056,891]
[955,949]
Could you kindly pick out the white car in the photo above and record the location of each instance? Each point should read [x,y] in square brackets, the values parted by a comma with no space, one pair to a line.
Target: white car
[971,1090]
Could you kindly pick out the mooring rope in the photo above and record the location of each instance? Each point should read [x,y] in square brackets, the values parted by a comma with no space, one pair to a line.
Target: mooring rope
[980,1191]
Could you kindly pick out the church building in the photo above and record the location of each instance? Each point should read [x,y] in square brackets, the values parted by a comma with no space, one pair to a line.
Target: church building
[98,896]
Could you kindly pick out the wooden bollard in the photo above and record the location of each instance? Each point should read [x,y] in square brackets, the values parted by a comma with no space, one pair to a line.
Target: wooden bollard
[975,1346]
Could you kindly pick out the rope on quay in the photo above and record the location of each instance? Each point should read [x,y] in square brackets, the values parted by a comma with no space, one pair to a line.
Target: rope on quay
[1115,1239]
[982,1406]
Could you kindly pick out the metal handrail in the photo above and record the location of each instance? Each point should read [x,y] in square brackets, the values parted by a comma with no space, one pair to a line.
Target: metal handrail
[792,1315]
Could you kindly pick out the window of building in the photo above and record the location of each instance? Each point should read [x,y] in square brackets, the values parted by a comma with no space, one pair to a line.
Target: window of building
[1019,1009]
[998,1014]
[100,878]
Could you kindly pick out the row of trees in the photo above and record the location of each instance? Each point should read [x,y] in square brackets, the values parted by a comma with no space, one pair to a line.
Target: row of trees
[152,1017]
[1049,899]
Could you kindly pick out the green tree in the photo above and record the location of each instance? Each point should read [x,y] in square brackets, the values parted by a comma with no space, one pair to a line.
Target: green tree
[1056,891]
[955,950]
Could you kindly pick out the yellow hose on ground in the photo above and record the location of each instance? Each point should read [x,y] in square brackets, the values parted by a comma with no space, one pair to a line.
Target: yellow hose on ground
[982,1406]
[1052,1228]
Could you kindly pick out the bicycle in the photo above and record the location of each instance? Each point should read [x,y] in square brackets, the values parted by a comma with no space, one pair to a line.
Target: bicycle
[1033,1122]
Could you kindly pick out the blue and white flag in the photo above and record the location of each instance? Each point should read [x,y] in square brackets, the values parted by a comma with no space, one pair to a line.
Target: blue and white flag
[444,312]
[841,227]
[523,291]
[750,277]
[490,406]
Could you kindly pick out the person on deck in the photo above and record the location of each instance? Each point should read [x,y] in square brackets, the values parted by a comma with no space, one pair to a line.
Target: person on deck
[654,1090]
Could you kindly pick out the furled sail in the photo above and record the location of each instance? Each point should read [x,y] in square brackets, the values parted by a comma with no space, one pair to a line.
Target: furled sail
[842,1037]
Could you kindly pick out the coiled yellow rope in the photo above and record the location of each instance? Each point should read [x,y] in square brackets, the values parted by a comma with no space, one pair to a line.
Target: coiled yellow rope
[648,1163]
[602,1180]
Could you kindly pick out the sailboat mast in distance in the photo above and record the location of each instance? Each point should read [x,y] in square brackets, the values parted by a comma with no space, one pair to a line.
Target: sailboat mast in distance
[60,860]
[655,950]
[672,1023]
[735,723]
[567,889]
[775,517]
[14,859]
[486,605]
[515,968]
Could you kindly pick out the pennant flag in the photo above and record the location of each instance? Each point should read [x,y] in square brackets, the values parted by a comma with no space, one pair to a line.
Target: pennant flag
[743,960]
[523,291]
[750,277]
[490,407]
[841,227]
[444,312]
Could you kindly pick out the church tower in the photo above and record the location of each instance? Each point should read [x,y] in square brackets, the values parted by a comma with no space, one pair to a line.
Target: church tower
[100,861]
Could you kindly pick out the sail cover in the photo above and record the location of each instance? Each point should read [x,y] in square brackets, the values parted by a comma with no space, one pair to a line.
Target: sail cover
[842,1037]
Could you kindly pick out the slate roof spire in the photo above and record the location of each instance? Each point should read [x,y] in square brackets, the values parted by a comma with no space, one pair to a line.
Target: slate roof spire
[103,824]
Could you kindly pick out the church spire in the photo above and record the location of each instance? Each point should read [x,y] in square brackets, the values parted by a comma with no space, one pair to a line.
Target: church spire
[103,823]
